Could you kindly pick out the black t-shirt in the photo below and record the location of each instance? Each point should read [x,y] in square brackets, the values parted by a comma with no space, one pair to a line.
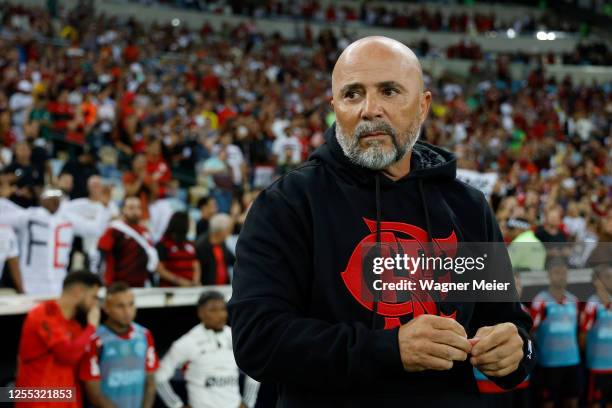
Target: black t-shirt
[28,175]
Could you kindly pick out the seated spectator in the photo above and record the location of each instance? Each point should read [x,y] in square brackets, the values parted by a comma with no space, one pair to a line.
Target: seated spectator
[178,255]
[208,208]
[214,256]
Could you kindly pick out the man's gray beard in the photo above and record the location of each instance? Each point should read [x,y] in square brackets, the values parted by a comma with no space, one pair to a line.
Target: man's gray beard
[374,156]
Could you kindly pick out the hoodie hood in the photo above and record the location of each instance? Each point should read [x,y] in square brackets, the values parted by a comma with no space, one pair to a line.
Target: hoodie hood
[427,162]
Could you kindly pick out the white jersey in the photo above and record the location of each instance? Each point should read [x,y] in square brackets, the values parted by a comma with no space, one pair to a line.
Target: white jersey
[45,243]
[8,245]
[211,374]
[91,210]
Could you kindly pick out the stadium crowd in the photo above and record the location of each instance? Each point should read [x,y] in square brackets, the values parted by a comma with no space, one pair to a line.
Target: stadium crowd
[429,17]
[151,143]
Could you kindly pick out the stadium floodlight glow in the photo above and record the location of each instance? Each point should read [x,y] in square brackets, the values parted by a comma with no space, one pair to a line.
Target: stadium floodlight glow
[542,36]
[176,22]
[551,36]
[511,33]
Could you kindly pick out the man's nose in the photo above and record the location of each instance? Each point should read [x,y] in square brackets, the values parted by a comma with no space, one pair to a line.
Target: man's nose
[372,108]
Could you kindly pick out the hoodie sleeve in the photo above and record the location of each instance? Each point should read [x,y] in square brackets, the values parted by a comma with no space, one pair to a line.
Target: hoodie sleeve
[492,313]
[273,339]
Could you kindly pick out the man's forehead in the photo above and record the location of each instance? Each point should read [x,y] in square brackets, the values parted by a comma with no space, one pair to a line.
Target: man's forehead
[375,60]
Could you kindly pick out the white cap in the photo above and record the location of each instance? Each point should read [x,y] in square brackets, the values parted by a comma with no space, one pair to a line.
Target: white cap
[24,86]
[50,192]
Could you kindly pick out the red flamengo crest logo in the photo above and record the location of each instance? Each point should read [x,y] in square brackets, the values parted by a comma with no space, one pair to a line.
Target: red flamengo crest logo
[396,238]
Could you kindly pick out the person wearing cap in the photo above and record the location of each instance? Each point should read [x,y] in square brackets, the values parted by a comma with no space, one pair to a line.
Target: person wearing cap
[212,374]
[526,251]
[555,324]
[47,233]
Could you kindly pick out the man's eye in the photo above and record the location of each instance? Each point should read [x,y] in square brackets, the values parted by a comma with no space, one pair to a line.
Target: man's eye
[351,94]
[389,91]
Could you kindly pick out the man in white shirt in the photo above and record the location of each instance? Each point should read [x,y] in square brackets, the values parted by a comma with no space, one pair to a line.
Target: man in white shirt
[46,235]
[9,254]
[90,208]
[212,373]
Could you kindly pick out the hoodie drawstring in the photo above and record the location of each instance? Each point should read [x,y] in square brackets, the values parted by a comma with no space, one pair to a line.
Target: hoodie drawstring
[378,245]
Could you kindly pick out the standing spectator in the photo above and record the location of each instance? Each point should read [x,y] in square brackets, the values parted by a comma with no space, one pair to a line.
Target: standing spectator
[596,338]
[214,256]
[551,232]
[235,158]
[157,168]
[139,183]
[119,365]
[220,180]
[46,237]
[20,103]
[81,170]
[9,254]
[208,208]
[178,255]
[25,175]
[211,371]
[127,250]
[98,201]
[526,250]
[55,336]
[555,322]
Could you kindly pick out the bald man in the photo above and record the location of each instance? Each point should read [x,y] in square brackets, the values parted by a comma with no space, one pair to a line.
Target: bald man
[306,313]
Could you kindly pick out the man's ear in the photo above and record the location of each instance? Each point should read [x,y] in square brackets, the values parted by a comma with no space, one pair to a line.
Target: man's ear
[425,105]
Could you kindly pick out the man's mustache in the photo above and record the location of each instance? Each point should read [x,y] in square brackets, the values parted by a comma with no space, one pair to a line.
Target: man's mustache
[365,128]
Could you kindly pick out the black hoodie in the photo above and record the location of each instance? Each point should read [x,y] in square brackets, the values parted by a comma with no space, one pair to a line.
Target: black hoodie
[295,322]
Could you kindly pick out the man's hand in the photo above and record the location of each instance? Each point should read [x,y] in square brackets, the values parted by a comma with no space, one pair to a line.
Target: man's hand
[432,343]
[497,350]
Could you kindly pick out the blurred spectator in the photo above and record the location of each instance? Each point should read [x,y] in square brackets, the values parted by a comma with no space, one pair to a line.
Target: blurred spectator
[208,208]
[220,180]
[551,232]
[81,170]
[178,255]
[51,225]
[214,256]
[206,352]
[120,349]
[128,253]
[9,255]
[20,103]
[97,202]
[65,183]
[602,254]
[55,336]
[25,175]
[526,250]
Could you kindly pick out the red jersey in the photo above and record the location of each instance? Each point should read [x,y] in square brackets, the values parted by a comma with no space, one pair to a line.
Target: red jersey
[125,259]
[177,257]
[49,352]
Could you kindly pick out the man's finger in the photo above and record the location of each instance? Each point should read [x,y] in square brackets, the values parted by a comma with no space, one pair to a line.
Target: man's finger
[436,363]
[452,339]
[496,337]
[511,360]
[446,323]
[445,352]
